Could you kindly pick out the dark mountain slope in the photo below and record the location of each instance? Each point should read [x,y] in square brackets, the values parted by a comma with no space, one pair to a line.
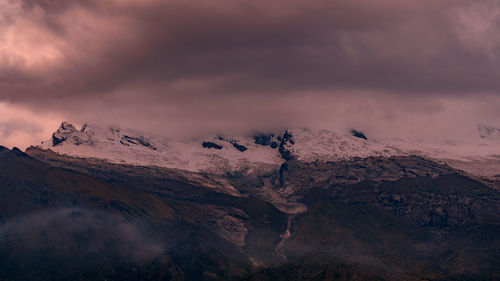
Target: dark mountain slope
[57,224]
[419,227]
[400,218]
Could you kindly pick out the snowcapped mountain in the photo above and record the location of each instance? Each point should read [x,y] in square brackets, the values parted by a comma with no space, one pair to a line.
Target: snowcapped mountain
[267,199]
[128,146]
[266,150]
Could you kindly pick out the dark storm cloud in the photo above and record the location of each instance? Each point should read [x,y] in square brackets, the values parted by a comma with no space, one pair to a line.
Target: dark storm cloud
[257,46]
[159,56]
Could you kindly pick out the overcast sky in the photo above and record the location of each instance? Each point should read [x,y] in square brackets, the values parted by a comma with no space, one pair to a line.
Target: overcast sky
[397,68]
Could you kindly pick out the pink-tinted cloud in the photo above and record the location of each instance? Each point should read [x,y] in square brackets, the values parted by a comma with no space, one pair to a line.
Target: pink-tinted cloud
[256,63]
[20,127]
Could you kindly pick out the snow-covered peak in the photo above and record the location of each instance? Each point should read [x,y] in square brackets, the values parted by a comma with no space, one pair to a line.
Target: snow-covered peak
[258,151]
[65,131]
[215,154]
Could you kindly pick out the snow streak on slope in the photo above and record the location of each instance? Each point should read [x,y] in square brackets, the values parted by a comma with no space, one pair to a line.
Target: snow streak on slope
[248,153]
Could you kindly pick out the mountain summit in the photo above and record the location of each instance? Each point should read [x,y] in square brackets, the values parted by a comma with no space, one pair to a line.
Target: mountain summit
[220,154]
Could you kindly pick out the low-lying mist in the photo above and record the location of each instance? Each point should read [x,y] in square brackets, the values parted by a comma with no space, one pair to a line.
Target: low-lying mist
[67,240]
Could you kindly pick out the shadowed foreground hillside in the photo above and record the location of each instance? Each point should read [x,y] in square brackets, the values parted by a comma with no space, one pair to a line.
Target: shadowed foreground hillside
[75,219]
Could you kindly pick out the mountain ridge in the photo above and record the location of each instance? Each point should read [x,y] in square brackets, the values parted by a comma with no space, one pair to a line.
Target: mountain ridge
[220,154]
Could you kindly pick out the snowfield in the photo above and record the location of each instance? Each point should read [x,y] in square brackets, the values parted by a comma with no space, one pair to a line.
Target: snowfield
[219,154]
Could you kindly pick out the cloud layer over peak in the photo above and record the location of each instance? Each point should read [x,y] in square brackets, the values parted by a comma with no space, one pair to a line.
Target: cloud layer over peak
[177,62]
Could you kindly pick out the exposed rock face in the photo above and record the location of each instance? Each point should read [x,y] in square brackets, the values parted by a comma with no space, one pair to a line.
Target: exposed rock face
[438,206]
[283,143]
[238,146]
[233,142]
[299,176]
[263,139]
[228,223]
[266,140]
[140,140]
[207,144]
[358,134]
[287,141]
[64,132]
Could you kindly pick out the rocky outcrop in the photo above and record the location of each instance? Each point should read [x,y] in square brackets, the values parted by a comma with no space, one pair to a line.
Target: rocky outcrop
[448,201]
[266,140]
[358,134]
[208,144]
[140,140]
[235,143]
[65,131]
[239,147]
[286,142]
[299,176]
